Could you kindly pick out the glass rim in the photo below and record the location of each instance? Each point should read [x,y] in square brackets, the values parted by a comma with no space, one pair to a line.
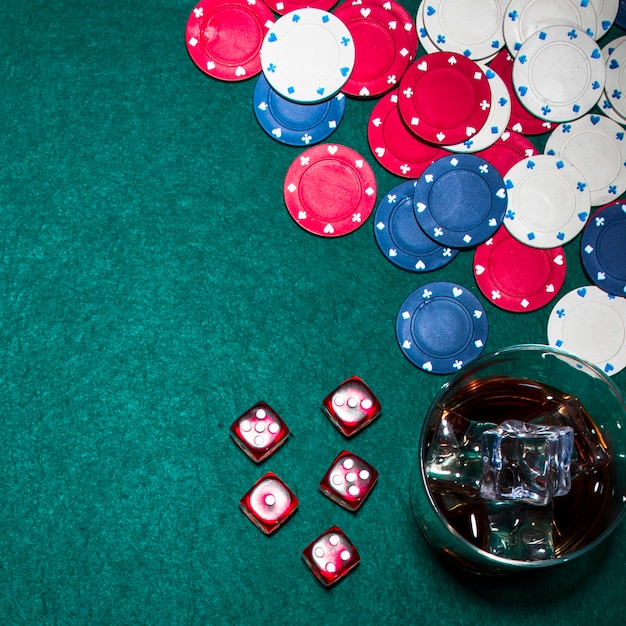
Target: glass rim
[533,347]
[494,559]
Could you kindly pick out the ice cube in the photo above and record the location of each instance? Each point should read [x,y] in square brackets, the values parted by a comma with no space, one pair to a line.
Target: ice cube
[520,531]
[590,451]
[454,460]
[526,462]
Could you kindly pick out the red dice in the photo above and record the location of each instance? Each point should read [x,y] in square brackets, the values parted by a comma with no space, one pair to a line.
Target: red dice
[352,406]
[331,556]
[269,503]
[349,480]
[259,431]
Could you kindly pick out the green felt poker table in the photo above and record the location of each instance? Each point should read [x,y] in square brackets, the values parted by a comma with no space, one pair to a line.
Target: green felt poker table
[152,288]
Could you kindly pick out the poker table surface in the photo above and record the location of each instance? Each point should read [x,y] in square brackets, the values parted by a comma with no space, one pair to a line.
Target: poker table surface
[153,287]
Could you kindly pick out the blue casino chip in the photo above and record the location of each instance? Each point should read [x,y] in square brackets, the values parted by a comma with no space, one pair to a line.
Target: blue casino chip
[401,239]
[293,123]
[603,248]
[460,200]
[441,327]
[620,19]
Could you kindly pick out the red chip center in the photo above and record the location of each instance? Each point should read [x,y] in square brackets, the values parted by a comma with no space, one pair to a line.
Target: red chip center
[232,35]
[330,191]
[518,270]
[445,98]
[375,50]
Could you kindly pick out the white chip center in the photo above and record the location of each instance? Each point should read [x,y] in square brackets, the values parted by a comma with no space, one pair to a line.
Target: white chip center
[595,331]
[538,14]
[548,201]
[596,156]
[308,55]
[560,73]
[471,21]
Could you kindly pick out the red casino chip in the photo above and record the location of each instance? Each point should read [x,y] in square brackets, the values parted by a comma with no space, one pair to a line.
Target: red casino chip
[509,149]
[330,190]
[522,120]
[224,38]
[286,6]
[516,277]
[397,149]
[382,49]
[444,98]
[404,20]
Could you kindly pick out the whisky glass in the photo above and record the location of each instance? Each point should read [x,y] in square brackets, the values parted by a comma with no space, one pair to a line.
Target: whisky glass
[522,382]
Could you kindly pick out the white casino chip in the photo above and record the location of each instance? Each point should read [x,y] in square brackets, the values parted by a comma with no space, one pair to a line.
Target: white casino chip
[549,201]
[525,17]
[596,145]
[422,34]
[591,324]
[307,55]
[604,103]
[470,27]
[615,86]
[559,73]
[606,12]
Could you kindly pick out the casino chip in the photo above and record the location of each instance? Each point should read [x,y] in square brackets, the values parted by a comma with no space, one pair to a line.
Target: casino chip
[472,28]
[286,6]
[549,201]
[609,111]
[400,237]
[511,148]
[516,277]
[497,121]
[460,200]
[224,39]
[591,324]
[616,79]
[596,146]
[441,327]
[620,18]
[422,34]
[603,248]
[444,98]
[559,73]
[397,149]
[402,18]
[382,49]
[307,55]
[430,45]
[330,190]
[604,103]
[526,17]
[521,121]
[606,12]
[293,123]
[607,50]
